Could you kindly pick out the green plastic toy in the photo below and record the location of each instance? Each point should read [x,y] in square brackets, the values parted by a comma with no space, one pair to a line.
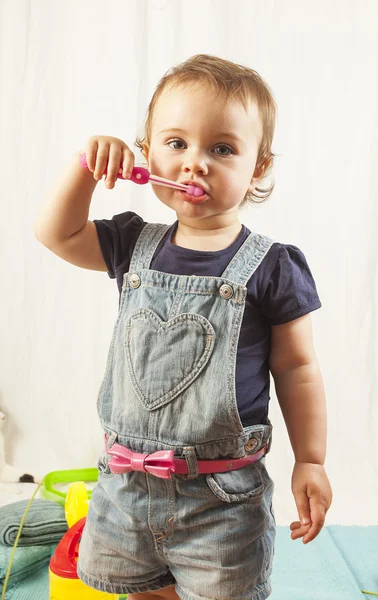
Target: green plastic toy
[68,476]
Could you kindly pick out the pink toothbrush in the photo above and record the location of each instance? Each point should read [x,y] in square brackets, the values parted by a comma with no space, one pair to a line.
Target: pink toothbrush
[141,176]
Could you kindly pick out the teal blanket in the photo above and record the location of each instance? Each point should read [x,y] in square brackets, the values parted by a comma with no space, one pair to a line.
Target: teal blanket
[27,561]
[337,565]
[45,523]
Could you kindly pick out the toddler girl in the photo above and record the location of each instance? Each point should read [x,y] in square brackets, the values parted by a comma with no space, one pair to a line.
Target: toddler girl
[208,309]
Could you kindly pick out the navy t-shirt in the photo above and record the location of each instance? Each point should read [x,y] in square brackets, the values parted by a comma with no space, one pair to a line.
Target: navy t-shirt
[281,289]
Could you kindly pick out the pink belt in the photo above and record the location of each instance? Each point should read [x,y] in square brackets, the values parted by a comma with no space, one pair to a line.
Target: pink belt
[163,464]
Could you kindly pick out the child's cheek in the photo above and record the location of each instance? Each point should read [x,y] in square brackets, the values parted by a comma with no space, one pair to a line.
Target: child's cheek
[234,189]
[165,195]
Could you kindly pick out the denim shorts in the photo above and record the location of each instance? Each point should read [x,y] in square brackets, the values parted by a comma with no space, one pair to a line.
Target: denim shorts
[212,535]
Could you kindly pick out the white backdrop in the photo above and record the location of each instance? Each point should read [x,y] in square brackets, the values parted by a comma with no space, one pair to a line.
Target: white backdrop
[72,69]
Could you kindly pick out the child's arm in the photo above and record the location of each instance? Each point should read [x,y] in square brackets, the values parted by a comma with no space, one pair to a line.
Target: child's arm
[300,392]
[62,224]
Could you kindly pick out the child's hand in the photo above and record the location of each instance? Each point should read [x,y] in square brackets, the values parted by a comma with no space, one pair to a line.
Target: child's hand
[108,153]
[313,497]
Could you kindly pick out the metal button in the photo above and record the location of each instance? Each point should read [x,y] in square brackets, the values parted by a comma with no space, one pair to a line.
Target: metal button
[134,280]
[251,444]
[226,291]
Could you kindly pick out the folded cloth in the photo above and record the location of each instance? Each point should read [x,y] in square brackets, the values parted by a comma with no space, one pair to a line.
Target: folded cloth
[45,523]
[26,561]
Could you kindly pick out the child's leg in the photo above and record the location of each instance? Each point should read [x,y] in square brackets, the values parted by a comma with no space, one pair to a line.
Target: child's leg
[167,593]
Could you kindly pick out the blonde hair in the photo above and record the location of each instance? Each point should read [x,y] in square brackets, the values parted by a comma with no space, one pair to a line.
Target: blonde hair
[231,81]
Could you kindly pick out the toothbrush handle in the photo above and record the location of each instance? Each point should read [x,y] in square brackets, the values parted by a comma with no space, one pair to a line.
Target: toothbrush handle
[139,175]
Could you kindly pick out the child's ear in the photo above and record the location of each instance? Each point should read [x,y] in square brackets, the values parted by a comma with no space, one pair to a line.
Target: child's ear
[146,153]
[259,174]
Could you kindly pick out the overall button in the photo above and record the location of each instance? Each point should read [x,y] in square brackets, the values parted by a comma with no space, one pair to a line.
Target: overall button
[226,291]
[134,280]
[251,444]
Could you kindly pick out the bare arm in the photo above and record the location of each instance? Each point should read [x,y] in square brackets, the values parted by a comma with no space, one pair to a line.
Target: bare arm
[66,207]
[300,390]
[62,224]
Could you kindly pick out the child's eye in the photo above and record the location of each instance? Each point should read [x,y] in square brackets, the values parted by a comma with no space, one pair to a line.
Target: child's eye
[175,142]
[227,148]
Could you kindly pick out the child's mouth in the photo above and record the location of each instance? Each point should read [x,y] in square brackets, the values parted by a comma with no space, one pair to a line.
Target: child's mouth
[193,199]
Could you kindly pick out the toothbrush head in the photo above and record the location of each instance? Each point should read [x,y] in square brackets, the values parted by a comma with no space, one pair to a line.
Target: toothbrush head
[194,190]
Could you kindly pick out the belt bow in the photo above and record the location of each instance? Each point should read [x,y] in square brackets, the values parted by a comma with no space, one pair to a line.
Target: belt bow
[161,464]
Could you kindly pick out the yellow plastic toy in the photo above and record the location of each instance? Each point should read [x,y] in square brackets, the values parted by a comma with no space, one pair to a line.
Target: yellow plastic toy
[77,500]
[64,581]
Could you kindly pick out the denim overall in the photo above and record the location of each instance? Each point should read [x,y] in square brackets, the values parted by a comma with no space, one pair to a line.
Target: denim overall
[169,384]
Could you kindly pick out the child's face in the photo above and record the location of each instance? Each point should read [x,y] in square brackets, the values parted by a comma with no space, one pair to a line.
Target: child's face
[198,137]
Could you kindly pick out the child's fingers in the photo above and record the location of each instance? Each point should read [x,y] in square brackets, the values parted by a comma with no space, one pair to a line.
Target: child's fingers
[299,532]
[303,507]
[113,167]
[128,162]
[309,532]
[318,513]
[101,160]
[90,155]
[111,155]
[314,530]
[301,527]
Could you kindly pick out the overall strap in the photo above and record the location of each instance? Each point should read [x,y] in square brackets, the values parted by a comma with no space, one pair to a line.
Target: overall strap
[147,242]
[245,262]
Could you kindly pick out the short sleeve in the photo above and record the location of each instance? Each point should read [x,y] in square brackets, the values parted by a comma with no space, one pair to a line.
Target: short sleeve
[291,290]
[117,237]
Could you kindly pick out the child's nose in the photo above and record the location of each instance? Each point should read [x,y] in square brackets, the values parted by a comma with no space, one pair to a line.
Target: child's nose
[195,162]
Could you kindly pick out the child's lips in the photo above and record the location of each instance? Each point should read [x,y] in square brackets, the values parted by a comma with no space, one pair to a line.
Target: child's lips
[193,199]
[194,188]
[195,194]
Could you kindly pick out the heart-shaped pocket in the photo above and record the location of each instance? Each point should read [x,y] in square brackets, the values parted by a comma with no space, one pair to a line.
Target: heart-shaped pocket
[164,357]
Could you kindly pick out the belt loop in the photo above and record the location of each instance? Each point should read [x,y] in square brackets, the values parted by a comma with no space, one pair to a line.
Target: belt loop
[110,440]
[191,461]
